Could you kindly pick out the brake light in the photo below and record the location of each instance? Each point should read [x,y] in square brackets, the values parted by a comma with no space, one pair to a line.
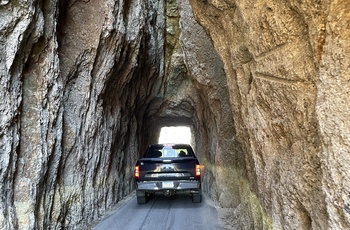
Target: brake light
[198,170]
[137,171]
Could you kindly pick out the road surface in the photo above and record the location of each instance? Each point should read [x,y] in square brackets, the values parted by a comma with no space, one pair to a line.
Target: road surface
[163,213]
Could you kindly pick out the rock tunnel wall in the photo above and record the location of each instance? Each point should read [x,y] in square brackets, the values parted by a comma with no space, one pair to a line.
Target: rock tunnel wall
[263,86]
[73,94]
[288,79]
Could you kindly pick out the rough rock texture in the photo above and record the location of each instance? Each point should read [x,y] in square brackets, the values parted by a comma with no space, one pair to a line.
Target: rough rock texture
[72,95]
[264,86]
[288,77]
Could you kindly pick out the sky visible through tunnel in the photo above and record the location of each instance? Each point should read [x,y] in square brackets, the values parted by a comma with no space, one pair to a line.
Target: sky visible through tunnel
[175,135]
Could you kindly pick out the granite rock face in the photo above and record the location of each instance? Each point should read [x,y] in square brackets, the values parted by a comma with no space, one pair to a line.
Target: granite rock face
[264,86]
[288,77]
[73,91]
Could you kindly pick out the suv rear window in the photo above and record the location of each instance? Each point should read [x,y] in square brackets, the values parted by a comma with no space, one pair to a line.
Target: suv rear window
[169,151]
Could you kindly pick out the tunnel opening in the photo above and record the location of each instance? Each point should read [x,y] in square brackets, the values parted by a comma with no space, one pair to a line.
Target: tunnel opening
[175,135]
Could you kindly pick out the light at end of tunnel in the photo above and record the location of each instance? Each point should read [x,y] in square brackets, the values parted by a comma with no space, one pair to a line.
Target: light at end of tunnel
[175,135]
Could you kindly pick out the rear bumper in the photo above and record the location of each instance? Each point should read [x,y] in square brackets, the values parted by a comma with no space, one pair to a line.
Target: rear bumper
[179,185]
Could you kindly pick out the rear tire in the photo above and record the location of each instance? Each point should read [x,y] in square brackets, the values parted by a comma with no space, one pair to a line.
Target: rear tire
[141,197]
[196,198]
[141,200]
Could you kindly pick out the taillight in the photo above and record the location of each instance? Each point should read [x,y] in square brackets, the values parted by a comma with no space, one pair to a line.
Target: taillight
[137,172]
[198,170]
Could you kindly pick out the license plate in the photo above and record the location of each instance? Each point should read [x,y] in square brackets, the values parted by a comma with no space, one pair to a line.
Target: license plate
[168,184]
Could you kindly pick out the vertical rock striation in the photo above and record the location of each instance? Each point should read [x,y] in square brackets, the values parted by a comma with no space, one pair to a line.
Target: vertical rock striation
[287,74]
[85,85]
[72,90]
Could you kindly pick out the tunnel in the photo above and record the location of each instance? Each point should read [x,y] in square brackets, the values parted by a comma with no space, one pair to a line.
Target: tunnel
[263,86]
